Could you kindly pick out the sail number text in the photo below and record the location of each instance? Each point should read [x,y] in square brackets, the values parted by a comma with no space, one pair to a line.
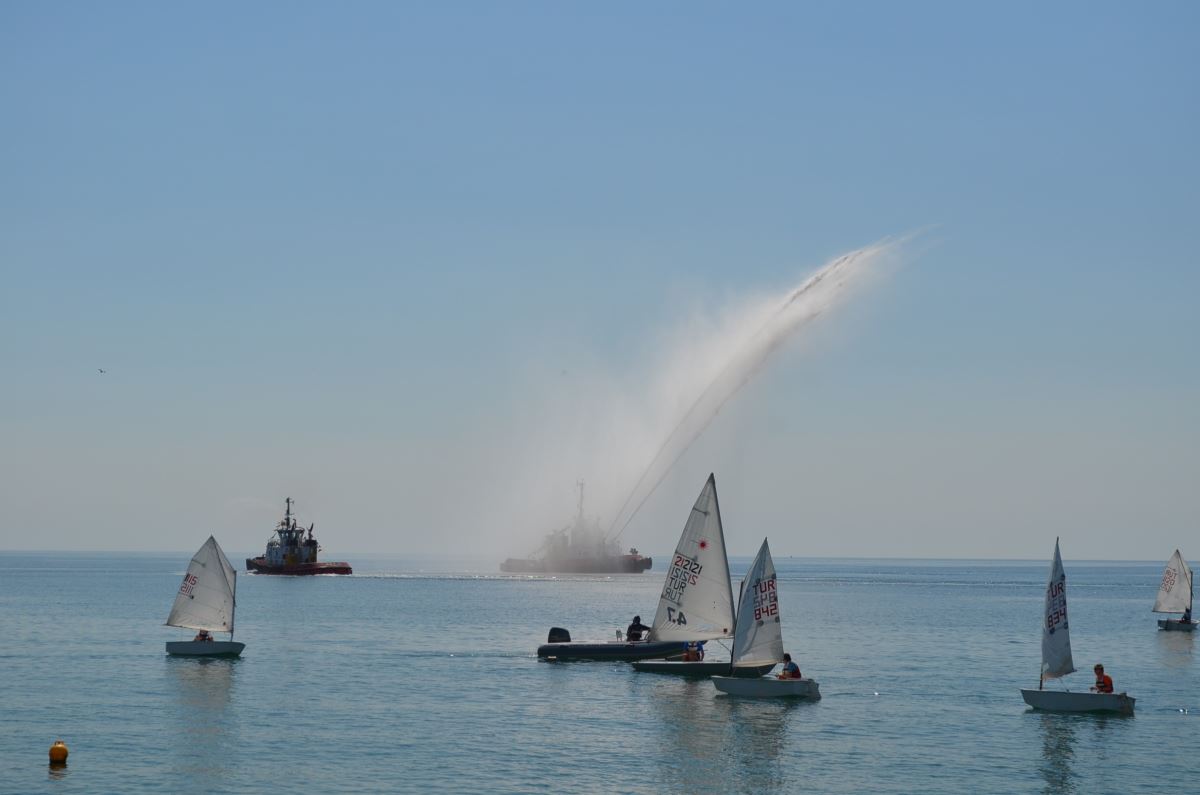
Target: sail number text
[1056,605]
[684,572]
[1168,581]
[189,582]
[766,599]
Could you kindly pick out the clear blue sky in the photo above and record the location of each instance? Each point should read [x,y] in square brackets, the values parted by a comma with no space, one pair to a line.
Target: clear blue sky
[385,257]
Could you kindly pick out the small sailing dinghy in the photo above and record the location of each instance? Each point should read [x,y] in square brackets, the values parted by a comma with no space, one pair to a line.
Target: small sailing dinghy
[1175,595]
[696,602]
[758,640]
[205,602]
[1057,661]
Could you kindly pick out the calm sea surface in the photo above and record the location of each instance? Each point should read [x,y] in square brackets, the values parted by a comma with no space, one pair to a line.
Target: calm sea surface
[421,676]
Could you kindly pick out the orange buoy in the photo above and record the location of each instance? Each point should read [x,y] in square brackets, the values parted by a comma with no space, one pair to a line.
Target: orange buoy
[58,752]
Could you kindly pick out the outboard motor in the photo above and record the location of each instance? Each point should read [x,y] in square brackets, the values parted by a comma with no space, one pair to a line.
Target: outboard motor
[558,635]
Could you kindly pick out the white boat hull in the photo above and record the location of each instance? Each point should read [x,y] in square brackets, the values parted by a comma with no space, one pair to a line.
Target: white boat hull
[205,648]
[1175,625]
[1067,701]
[767,687]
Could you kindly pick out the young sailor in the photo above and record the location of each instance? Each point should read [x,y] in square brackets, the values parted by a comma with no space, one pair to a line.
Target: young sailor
[1104,683]
[790,669]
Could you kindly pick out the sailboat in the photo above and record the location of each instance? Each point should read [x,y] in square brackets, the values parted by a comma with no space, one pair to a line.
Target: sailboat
[696,602]
[1056,657]
[1175,595]
[206,601]
[758,640]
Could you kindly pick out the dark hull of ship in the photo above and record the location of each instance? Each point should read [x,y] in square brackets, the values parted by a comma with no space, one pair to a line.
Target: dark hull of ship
[701,668]
[1177,625]
[260,566]
[622,651]
[609,564]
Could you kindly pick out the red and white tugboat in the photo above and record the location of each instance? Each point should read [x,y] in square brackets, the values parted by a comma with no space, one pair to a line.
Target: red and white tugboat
[293,550]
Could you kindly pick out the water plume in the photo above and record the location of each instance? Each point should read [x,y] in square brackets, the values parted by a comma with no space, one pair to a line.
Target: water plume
[764,327]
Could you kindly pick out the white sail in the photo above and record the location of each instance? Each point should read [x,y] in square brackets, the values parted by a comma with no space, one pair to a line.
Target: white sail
[1175,592]
[1056,637]
[697,599]
[759,636]
[207,595]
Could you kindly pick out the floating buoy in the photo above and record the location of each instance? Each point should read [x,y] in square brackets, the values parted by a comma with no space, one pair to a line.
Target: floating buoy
[58,753]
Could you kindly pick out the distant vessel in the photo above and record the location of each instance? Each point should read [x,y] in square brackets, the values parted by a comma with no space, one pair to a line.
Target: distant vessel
[1056,657]
[206,602]
[1175,595]
[293,550]
[579,549]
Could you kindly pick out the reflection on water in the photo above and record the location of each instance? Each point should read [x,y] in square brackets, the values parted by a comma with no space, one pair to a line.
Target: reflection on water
[1058,752]
[1175,649]
[718,743]
[201,690]
[1060,734]
[58,770]
[759,739]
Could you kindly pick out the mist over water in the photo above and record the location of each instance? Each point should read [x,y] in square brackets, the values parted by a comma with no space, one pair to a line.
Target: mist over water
[623,435]
[757,341]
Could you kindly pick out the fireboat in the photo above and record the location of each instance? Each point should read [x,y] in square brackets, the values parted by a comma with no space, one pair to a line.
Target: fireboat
[293,550]
[580,548]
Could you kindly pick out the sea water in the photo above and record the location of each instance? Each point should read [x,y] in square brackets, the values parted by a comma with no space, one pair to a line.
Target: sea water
[421,676]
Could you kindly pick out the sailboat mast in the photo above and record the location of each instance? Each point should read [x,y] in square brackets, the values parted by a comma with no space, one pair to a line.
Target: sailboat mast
[233,609]
[729,583]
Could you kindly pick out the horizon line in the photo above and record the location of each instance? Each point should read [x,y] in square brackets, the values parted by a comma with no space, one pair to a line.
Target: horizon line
[435,555]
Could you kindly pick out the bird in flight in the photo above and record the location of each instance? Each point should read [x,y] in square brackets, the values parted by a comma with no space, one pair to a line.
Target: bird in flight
[101,369]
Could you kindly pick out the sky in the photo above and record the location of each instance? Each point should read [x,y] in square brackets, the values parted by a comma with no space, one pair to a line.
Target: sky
[424,266]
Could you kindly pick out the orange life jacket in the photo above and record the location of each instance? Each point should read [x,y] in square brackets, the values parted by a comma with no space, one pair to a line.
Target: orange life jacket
[1104,683]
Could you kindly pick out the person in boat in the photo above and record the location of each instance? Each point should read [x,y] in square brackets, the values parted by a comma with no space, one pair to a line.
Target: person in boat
[790,669]
[1104,683]
[1187,615]
[635,629]
[203,636]
[693,652]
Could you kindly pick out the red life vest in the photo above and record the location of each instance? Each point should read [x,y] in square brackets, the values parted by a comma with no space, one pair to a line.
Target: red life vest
[1104,683]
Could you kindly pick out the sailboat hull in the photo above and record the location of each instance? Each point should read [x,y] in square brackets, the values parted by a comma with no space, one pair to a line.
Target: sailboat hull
[700,668]
[1175,625]
[205,648]
[1066,701]
[767,687]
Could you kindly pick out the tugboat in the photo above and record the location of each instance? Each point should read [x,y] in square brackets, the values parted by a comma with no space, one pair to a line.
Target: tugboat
[293,550]
[579,549]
